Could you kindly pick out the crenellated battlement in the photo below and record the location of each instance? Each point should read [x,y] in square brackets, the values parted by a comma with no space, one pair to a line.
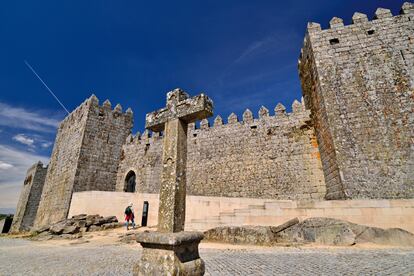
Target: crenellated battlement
[280,116]
[104,110]
[263,117]
[358,18]
[338,36]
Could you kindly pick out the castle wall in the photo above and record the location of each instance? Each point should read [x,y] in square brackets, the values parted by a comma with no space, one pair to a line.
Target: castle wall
[268,157]
[29,198]
[142,155]
[358,81]
[85,156]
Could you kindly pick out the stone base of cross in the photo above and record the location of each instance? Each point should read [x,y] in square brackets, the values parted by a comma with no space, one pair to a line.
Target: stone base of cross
[170,250]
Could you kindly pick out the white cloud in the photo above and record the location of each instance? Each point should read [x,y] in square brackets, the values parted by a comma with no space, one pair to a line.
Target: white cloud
[46,144]
[21,118]
[21,138]
[5,166]
[11,180]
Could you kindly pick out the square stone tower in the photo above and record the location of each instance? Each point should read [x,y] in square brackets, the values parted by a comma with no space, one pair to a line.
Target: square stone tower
[358,81]
[29,198]
[85,156]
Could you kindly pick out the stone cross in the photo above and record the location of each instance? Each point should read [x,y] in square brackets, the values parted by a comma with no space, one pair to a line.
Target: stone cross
[173,120]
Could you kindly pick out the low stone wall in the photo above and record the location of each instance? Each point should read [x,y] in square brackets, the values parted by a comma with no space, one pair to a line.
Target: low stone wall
[203,213]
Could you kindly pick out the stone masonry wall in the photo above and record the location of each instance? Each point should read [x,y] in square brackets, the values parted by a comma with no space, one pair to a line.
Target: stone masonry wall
[29,198]
[85,156]
[269,157]
[141,154]
[105,132]
[358,81]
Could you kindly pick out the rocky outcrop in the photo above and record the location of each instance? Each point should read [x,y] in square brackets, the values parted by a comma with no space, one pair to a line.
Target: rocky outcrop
[76,226]
[325,231]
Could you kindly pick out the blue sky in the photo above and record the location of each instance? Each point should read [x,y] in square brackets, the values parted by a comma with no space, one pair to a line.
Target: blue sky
[243,54]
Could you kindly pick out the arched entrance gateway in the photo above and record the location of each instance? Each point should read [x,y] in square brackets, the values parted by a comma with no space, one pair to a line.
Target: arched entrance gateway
[130,183]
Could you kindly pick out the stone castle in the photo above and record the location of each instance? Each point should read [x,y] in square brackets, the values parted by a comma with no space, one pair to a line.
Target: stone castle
[351,136]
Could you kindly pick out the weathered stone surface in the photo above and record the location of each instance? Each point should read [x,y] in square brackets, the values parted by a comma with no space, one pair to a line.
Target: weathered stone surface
[77,225]
[85,157]
[170,254]
[71,229]
[357,80]
[170,251]
[93,228]
[57,228]
[179,105]
[80,217]
[289,223]
[109,225]
[319,230]
[259,235]
[41,229]
[272,157]
[28,204]
[110,219]
[172,239]
[173,120]
[326,231]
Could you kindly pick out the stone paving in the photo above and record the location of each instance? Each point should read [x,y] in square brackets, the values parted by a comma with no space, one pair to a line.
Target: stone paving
[21,257]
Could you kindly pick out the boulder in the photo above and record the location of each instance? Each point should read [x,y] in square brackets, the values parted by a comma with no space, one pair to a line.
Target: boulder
[93,228]
[261,235]
[110,219]
[391,236]
[80,223]
[325,231]
[57,229]
[71,229]
[110,225]
[79,217]
[42,229]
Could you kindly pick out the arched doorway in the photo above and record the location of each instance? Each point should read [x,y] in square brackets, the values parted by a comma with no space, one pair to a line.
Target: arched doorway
[130,183]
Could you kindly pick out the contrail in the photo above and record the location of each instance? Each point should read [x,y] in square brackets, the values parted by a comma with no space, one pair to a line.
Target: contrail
[47,87]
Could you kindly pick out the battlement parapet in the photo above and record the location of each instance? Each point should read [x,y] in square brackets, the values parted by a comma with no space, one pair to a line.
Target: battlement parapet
[337,36]
[280,115]
[147,138]
[38,164]
[298,115]
[360,18]
[92,104]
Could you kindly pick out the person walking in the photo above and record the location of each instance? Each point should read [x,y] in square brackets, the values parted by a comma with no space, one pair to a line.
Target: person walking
[129,216]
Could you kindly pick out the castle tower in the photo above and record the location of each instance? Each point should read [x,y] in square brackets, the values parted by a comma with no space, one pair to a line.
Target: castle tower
[29,198]
[85,156]
[358,81]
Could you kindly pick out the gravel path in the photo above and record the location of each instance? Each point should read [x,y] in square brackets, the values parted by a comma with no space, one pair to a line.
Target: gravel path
[22,257]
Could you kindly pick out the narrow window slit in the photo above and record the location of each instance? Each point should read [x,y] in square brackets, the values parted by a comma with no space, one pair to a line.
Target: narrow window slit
[334,41]
[403,57]
[402,54]
[371,32]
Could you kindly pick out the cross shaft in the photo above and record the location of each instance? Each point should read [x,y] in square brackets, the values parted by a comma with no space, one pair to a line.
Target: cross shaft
[174,119]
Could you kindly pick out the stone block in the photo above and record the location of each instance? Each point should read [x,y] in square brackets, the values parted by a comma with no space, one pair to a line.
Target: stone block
[169,254]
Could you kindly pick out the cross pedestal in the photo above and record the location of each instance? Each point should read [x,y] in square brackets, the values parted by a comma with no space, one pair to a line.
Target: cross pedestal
[170,250]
